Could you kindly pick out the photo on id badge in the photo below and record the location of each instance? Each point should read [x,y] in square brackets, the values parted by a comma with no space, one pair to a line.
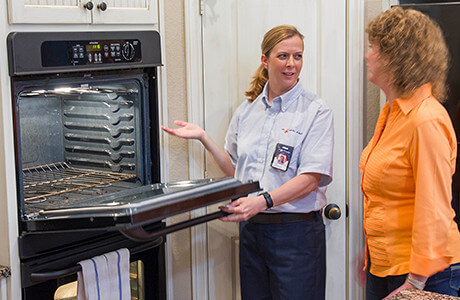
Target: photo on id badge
[282,157]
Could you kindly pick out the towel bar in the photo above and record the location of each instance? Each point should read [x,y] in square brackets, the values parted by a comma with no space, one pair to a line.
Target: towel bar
[44,276]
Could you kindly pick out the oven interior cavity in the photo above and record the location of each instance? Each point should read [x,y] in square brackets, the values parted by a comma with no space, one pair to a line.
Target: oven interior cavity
[78,142]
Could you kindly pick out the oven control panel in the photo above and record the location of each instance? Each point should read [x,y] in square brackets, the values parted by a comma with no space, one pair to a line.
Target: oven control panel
[94,52]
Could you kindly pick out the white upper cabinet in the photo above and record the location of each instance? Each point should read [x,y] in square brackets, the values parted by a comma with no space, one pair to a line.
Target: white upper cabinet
[82,11]
[125,11]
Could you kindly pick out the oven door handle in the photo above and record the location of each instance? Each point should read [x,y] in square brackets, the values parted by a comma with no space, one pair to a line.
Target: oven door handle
[139,234]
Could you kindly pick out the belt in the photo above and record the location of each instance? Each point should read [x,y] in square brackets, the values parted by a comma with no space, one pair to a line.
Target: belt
[278,218]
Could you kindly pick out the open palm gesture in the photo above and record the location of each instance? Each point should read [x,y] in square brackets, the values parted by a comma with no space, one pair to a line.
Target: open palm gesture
[186,130]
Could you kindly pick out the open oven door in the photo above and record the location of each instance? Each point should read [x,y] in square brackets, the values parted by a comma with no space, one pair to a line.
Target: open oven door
[130,210]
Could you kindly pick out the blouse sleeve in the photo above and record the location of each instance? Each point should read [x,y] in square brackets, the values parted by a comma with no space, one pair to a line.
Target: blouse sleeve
[432,155]
[317,149]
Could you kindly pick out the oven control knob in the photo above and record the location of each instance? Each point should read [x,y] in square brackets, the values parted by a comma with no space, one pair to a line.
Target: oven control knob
[128,51]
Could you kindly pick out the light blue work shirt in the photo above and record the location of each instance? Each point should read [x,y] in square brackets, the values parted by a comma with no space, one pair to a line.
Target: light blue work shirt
[299,119]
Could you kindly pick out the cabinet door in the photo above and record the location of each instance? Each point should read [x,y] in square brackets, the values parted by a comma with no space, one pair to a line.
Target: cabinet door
[125,12]
[48,12]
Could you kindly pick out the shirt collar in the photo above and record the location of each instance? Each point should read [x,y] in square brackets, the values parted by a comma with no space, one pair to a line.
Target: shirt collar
[286,99]
[420,94]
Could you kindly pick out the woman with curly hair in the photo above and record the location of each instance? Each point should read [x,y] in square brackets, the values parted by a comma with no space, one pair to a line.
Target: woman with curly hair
[411,238]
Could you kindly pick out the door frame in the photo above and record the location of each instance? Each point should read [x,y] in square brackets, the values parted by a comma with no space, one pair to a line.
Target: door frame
[195,114]
[355,45]
[354,140]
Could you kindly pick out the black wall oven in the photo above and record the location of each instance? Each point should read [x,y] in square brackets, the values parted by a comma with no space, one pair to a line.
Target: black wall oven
[85,111]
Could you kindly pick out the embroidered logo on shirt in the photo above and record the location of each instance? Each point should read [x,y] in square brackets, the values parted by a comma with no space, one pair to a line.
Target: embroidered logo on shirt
[291,130]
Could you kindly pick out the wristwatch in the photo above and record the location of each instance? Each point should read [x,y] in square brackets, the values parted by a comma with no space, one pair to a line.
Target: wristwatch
[268,199]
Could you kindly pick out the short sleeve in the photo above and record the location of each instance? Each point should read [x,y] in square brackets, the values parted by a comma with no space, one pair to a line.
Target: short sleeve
[316,152]
[231,138]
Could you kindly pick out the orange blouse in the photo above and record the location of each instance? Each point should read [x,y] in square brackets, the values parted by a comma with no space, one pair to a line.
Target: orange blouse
[407,170]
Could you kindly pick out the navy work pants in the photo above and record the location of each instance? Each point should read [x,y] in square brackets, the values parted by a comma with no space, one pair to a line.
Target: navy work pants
[283,261]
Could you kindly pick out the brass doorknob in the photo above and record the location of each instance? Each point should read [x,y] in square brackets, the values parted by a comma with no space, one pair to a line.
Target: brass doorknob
[332,211]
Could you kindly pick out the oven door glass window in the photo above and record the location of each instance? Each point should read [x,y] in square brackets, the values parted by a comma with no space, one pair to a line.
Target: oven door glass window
[144,205]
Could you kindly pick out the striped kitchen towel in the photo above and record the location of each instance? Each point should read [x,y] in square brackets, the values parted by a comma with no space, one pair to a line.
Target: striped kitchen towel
[105,277]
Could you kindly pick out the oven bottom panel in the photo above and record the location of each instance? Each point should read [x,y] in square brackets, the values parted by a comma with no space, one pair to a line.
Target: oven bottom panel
[46,254]
[154,287]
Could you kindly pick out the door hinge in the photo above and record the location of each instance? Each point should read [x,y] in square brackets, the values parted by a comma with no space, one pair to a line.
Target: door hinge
[201,5]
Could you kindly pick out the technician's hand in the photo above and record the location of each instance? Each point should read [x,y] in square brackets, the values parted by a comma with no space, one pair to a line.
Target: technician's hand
[244,208]
[187,130]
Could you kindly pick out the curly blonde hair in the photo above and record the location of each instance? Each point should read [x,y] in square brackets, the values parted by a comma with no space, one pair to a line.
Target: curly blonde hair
[271,39]
[414,48]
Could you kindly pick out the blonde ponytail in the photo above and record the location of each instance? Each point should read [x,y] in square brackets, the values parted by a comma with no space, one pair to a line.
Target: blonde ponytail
[257,84]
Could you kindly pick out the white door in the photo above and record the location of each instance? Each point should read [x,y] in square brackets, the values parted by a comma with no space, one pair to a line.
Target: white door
[232,31]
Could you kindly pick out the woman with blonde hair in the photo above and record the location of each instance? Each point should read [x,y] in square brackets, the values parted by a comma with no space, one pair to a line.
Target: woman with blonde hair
[412,240]
[282,136]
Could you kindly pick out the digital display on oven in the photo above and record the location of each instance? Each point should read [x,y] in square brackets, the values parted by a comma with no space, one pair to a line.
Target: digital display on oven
[93,47]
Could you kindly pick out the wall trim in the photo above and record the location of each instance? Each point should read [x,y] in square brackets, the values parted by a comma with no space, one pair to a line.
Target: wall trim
[10,287]
[195,106]
[354,115]
[164,141]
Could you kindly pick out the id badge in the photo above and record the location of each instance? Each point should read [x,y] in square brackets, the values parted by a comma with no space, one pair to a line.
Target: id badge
[282,157]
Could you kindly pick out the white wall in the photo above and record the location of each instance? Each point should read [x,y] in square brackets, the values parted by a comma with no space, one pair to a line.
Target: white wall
[178,243]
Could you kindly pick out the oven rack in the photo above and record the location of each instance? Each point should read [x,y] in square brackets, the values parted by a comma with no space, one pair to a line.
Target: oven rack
[48,180]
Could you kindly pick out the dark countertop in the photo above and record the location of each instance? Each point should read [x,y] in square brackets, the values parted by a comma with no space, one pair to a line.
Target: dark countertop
[417,294]
[4,272]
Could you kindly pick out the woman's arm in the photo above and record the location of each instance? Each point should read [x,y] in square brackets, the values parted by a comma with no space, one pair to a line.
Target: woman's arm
[245,208]
[192,131]
[407,285]
[218,154]
[432,156]
[432,168]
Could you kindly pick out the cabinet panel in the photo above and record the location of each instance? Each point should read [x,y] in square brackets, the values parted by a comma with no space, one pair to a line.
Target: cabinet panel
[74,12]
[126,12]
[47,12]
